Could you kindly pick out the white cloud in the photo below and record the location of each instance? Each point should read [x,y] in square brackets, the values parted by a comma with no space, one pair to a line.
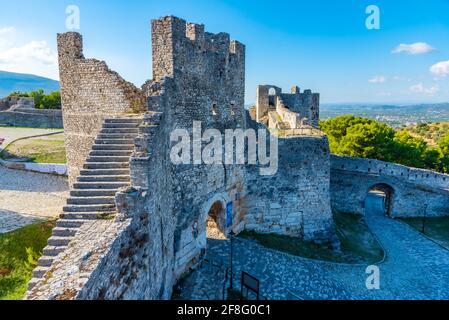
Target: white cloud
[401,78]
[421,89]
[414,48]
[7,30]
[378,79]
[34,57]
[440,69]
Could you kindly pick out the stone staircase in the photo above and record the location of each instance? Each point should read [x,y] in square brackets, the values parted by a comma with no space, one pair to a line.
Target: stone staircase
[93,194]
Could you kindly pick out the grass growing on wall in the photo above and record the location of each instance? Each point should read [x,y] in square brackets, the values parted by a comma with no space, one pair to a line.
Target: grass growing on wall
[358,245]
[19,252]
[36,150]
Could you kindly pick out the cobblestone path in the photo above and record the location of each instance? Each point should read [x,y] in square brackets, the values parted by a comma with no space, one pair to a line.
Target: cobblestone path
[414,268]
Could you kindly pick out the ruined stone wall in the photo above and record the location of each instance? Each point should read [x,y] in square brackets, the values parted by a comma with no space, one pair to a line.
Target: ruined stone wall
[296,200]
[90,91]
[306,104]
[20,112]
[416,192]
[33,118]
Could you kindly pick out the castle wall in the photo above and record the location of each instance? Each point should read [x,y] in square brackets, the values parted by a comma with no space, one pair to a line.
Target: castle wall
[90,91]
[416,192]
[295,201]
[207,84]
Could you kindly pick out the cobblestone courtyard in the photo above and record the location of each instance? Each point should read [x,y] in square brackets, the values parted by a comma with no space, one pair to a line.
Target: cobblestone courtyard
[26,197]
[414,268]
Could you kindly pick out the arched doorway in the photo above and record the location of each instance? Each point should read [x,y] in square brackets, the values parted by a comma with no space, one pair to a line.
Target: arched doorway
[215,221]
[380,198]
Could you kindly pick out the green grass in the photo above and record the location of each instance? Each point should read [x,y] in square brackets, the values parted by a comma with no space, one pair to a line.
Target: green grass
[36,150]
[435,228]
[358,245]
[19,252]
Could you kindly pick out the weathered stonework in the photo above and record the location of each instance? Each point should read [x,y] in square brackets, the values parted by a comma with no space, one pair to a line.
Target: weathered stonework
[295,108]
[19,111]
[411,192]
[296,200]
[89,93]
[159,230]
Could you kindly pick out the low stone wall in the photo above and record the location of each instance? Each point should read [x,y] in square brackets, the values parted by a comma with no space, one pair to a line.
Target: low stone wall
[414,192]
[33,118]
[20,112]
[50,168]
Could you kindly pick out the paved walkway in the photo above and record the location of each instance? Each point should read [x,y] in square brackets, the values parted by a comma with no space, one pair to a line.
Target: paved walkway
[415,268]
[26,197]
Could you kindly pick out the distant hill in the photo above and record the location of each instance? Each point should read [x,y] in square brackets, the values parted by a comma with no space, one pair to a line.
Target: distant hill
[394,115]
[10,82]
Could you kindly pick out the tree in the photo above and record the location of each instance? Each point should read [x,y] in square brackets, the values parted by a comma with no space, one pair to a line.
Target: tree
[41,100]
[366,138]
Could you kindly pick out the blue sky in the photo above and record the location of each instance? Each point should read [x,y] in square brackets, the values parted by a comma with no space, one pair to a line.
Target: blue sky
[321,45]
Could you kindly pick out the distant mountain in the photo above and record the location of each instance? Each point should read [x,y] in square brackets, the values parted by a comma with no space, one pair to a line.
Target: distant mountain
[10,82]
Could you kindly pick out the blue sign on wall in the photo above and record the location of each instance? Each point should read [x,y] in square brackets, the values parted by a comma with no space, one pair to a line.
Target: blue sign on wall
[229,215]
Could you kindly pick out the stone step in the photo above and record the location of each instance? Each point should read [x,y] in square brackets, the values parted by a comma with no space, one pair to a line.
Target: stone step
[107,159]
[114,147]
[91,200]
[39,272]
[111,153]
[89,208]
[64,232]
[114,141]
[72,224]
[121,125]
[45,261]
[104,172]
[116,136]
[86,216]
[106,165]
[53,251]
[117,178]
[133,131]
[93,193]
[123,120]
[59,241]
[33,282]
[100,185]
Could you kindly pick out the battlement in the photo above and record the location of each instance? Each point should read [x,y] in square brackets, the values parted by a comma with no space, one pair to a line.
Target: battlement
[181,47]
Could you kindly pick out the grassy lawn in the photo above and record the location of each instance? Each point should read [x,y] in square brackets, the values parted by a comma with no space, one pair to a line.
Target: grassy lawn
[435,228]
[36,150]
[19,252]
[358,245]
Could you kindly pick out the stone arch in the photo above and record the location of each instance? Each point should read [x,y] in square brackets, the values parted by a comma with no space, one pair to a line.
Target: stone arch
[214,214]
[387,192]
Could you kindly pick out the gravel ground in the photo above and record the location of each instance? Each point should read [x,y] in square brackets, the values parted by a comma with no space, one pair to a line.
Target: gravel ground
[27,196]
